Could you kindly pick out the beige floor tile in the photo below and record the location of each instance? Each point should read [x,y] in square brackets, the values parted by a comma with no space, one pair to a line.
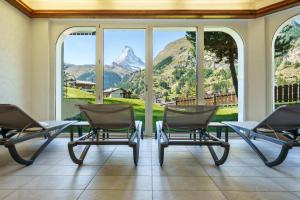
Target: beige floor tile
[14,182]
[127,160]
[143,154]
[191,195]
[279,171]
[5,193]
[183,183]
[178,170]
[44,195]
[58,182]
[59,160]
[247,184]
[89,160]
[32,170]
[232,171]
[75,170]
[297,194]
[179,154]
[176,161]
[115,195]
[289,184]
[236,195]
[125,170]
[11,169]
[121,182]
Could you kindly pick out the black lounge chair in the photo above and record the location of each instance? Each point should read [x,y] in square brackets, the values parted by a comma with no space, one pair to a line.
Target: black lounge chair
[281,127]
[16,127]
[189,120]
[112,119]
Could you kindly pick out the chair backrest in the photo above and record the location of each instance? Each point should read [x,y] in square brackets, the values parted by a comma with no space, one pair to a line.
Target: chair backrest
[14,118]
[109,116]
[283,118]
[190,117]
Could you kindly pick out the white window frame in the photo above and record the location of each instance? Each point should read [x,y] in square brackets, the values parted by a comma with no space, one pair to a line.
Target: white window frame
[57,36]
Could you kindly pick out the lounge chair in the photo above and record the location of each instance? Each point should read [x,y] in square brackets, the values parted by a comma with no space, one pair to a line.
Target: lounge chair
[16,127]
[114,119]
[189,120]
[280,127]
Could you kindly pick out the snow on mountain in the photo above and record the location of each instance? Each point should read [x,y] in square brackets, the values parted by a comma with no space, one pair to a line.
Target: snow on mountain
[128,59]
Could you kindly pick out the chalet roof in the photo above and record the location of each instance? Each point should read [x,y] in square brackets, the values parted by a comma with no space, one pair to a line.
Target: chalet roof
[109,90]
[84,82]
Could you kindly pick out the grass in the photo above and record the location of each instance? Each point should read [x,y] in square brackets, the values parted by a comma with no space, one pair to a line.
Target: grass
[223,113]
[74,93]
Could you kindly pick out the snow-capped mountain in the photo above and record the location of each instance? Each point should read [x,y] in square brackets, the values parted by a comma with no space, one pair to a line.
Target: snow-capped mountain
[128,59]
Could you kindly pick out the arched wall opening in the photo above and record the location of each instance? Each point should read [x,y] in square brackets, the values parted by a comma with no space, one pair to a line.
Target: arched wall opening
[286,64]
[240,62]
[61,81]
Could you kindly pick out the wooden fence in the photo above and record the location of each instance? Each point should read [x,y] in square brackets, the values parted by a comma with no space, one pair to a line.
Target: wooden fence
[282,94]
[222,99]
[287,93]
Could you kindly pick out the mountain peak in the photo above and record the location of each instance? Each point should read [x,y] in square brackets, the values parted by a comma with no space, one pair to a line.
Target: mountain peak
[128,59]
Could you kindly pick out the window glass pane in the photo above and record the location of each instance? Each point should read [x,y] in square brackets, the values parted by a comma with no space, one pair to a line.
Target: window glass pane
[287,64]
[124,68]
[174,68]
[220,74]
[78,73]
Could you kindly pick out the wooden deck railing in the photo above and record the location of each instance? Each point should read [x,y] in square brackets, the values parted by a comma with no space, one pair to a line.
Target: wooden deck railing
[282,94]
[221,99]
[287,93]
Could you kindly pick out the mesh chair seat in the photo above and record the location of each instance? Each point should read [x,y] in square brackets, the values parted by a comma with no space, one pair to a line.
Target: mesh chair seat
[109,116]
[188,117]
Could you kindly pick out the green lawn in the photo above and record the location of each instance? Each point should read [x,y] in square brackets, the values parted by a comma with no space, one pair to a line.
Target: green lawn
[223,113]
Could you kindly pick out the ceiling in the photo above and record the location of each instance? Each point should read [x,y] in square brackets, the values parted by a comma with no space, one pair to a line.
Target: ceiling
[148,4]
[154,9]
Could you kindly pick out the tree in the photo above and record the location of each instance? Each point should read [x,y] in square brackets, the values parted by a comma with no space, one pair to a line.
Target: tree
[223,46]
[285,40]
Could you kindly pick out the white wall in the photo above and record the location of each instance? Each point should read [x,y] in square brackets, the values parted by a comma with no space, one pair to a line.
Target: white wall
[255,87]
[40,69]
[15,57]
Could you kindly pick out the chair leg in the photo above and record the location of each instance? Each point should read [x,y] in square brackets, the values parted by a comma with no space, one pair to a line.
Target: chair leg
[161,153]
[135,150]
[281,157]
[219,161]
[76,160]
[142,134]
[16,156]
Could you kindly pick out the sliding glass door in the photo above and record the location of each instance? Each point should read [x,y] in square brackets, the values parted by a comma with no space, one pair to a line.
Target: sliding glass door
[148,67]
[174,68]
[124,68]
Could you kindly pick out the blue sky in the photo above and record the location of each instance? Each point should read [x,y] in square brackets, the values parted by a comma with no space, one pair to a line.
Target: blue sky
[81,50]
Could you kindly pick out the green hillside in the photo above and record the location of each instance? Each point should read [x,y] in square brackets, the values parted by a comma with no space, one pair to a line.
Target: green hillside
[287,55]
[174,74]
[223,114]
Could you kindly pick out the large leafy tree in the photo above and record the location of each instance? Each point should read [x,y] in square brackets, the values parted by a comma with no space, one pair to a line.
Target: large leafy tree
[286,38]
[223,46]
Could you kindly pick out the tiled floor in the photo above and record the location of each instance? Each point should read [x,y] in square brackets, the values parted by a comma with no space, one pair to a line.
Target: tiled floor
[108,173]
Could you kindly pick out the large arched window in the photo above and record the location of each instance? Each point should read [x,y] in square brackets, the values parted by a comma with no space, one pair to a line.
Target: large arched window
[286,63]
